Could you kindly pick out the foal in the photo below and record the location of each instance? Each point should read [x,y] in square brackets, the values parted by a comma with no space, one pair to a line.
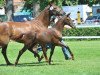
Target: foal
[53,36]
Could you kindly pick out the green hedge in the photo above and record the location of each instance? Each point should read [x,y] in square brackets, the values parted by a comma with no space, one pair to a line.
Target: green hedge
[82,32]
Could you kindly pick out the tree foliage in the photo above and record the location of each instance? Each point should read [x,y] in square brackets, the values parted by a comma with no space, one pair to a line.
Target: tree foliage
[42,3]
[70,2]
[2,3]
[89,2]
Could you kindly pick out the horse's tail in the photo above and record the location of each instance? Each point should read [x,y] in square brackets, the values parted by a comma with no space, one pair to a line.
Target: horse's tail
[34,37]
[34,41]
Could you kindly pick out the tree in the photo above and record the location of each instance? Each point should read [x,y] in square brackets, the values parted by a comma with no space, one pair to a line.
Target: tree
[9,9]
[39,5]
[43,3]
[33,6]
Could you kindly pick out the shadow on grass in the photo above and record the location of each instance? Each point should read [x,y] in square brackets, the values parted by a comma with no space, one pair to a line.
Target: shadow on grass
[36,64]
[43,63]
[6,65]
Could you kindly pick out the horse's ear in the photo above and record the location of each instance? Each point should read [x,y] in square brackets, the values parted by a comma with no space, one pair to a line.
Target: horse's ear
[51,2]
[68,14]
[51,5]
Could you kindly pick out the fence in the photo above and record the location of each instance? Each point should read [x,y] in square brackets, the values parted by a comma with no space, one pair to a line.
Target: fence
[81,37]
[87,26]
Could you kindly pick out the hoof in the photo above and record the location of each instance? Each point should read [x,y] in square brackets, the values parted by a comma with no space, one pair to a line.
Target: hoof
[16,63]
[39,59]
[72,58]
[35,55]
[49,63]
[9,64]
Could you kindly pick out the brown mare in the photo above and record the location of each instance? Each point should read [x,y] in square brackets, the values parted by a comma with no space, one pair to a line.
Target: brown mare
[24,32]
[53,36]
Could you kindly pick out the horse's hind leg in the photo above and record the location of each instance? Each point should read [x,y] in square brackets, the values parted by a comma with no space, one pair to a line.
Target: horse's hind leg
[34,52]
[44,52]
[20,53]
[4,49]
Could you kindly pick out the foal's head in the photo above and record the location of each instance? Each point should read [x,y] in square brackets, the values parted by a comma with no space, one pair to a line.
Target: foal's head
[68,21]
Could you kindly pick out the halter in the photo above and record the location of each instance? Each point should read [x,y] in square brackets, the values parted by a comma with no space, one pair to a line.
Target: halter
[53,17]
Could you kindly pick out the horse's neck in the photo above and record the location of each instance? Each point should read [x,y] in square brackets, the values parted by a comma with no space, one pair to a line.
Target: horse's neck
[44,18]
[59,25]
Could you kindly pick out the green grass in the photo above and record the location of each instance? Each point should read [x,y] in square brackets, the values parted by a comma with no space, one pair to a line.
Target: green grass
[87,61]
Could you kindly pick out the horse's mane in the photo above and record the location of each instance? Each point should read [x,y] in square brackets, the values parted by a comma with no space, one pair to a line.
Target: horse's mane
[41,13]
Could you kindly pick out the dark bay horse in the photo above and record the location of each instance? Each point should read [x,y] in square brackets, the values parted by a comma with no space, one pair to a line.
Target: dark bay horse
[25,32]
[53,36]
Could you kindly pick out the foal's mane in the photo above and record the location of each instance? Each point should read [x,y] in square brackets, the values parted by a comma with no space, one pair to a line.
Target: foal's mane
[59,20]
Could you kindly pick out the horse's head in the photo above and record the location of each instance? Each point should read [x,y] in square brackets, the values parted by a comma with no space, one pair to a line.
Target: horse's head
[68,21]
[55,10]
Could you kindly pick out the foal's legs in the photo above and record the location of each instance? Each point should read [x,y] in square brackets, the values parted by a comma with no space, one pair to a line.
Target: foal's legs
[35,53]
[62,45]
[70,52]
[4,49]
[51,53]
[44,52]
[31,46]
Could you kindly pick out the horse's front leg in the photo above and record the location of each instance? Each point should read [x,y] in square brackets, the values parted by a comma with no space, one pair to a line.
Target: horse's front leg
[67,47]
[4,49]
[51,53]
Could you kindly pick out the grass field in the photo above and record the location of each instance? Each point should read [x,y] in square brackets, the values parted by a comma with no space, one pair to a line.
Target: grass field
[87,61]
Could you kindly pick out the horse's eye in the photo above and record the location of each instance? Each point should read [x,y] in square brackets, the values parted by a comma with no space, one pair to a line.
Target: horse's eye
[67,19]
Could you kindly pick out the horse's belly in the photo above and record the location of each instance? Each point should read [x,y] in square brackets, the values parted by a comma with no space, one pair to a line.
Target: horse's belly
[45,39]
